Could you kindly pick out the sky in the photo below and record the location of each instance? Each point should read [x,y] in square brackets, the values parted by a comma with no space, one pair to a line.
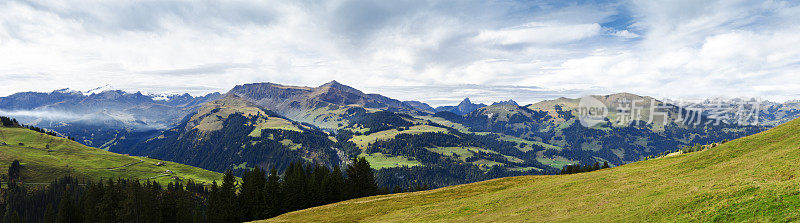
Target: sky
[433,51]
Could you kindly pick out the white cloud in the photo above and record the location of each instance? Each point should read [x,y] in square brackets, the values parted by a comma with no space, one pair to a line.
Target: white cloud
[660,48]
[625,34]
[538,33]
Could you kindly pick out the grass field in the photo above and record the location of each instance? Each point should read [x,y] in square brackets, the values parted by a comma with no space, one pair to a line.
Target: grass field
[273,123]
[556,163]
[753,179]
[45,158]
[380,161]
[362,140]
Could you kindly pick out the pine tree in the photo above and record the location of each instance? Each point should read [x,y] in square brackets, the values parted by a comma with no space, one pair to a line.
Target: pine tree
[91,201]
[49,214]
[231,213]
[169,204]
[130,204]
[334,186]
[272,194]
[294,187]
[251,195]
[316,185]
[15,218]
[66,209]
[108,205]
[14,175]
[215,206]
[605,165]
[360,179]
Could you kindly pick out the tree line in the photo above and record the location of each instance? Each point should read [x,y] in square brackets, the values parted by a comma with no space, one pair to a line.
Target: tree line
[578,168]
[259,194]
[13,123]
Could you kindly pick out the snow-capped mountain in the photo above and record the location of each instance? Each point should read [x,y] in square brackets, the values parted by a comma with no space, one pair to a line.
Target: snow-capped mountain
[89,115]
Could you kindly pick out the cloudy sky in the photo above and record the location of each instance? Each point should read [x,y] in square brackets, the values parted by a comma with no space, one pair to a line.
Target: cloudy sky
[434,51]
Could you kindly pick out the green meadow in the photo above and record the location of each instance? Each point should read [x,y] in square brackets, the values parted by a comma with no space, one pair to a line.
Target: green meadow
[45,158]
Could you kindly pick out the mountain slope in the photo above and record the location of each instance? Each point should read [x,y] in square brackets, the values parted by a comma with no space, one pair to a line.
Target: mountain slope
[236,133]
[422,106]
[45,158]
[748,179]
[232,133]
[320,106]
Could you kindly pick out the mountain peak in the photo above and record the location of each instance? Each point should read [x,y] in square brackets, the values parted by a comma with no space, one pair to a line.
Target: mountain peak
[99,90]
[466,106]
[334,84]
[509,102]
[340,87]
[66,91]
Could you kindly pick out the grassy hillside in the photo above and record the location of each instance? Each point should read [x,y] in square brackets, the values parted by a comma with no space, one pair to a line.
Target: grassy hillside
[45,158]
[750,179]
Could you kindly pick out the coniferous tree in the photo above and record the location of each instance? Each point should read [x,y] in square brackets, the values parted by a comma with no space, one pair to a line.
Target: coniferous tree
[108,205]
[91,201]
[169,203]
[397,189]
[227,191]
[7,213]
[49,214]
[360,179]
[273,194]
[251,195]
[66,209]
[294,187]
[130,205]
[14,173]
[15,218]
[316,184]
[215,212]
[334,186]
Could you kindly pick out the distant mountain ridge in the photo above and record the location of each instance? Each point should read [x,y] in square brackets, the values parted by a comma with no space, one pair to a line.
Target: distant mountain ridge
[420,106]
[509,102]
[466,106]
[96,117]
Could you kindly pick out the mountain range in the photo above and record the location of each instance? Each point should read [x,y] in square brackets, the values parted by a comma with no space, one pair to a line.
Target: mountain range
[97,117]
[407,142]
